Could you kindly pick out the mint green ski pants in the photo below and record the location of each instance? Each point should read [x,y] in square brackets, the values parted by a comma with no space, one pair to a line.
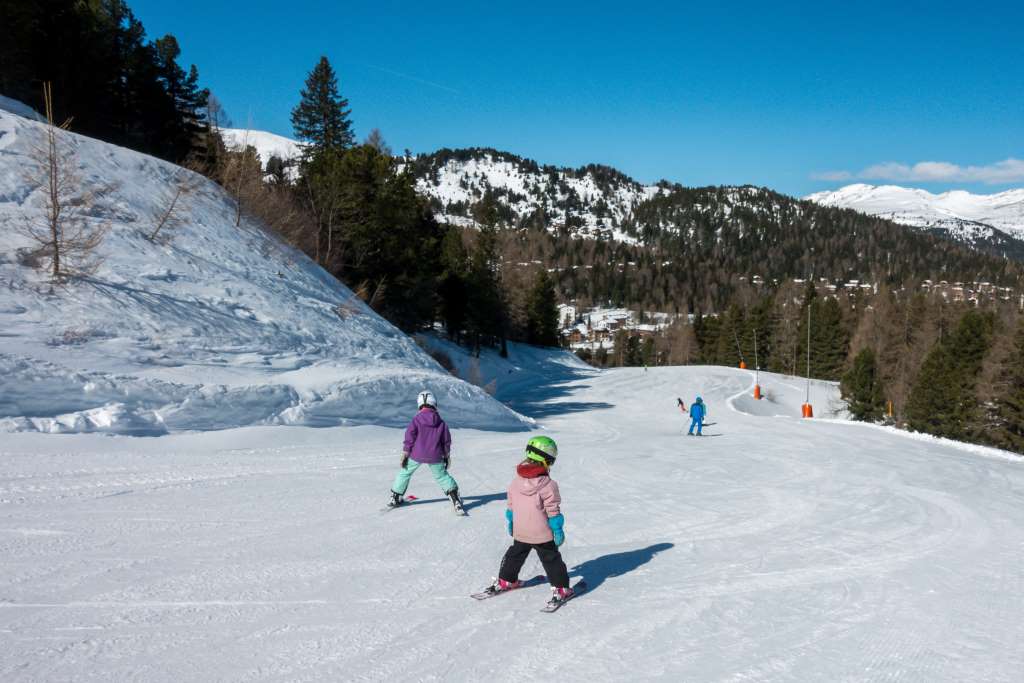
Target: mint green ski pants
[441,476]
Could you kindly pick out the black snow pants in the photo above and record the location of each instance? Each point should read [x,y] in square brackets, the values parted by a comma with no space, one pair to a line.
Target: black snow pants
[549,556]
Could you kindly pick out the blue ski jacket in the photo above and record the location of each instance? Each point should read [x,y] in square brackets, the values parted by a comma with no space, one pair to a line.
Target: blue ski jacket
[698,411]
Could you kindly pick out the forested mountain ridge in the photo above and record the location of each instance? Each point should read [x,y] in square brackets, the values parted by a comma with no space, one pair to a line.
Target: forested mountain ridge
[788,236]
[674,248]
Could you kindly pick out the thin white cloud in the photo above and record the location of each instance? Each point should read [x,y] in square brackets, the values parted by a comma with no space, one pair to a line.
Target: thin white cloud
[1002,172]
[414,79]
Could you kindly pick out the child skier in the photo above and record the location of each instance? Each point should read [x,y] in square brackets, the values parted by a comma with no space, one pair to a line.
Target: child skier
[427,442]
[697,412]
[535,522]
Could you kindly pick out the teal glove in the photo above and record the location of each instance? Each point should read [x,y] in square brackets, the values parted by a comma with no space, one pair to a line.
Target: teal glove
[508,516]
[556,523]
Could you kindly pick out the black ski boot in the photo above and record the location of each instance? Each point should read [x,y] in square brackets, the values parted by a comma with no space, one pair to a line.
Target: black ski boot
[396,500]
[456,501]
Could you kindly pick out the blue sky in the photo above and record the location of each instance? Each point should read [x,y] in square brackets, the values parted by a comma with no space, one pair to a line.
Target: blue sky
[797,97]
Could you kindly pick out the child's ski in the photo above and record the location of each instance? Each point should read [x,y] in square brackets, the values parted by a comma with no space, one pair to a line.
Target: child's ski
[555,602]
[489,592]
[394,507]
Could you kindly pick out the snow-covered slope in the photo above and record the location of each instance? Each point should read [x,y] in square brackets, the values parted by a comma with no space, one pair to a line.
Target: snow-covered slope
[967,217]
[771,549]
[266,144]
[211,326]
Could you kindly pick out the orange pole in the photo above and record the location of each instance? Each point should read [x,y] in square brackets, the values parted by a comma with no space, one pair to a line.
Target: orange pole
[743,365]
[757,392]
[807,410]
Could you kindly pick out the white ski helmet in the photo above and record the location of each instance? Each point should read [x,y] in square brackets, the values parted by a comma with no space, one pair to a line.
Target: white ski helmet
[425,398]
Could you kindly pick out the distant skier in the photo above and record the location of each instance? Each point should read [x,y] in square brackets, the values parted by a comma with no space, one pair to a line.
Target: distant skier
[535,522]
[697,413]
[427,442]
[682,406]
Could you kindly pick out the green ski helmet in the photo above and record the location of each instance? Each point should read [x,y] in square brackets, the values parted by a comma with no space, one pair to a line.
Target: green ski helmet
[542,449]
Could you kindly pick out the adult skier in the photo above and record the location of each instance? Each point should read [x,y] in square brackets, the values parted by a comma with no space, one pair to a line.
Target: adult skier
[697,413]
[427,442]
[535,522]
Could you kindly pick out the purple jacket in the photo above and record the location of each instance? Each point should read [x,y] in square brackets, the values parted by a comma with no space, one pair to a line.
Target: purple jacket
[427,438]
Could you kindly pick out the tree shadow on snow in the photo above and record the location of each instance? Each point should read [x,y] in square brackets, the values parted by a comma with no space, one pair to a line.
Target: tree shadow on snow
[542,410]
[468,502]
[595,571]
[540,398]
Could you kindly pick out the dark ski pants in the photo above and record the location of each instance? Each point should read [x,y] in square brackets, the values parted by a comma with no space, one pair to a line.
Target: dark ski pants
[549,556]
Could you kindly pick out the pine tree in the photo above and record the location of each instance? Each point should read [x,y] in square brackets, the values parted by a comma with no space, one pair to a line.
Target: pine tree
[1006,429]
[942,400]
[649,352]
[829,339]
[542,312]
[486,313]
[452,288]
[277,170]
[862,388]
[321,118]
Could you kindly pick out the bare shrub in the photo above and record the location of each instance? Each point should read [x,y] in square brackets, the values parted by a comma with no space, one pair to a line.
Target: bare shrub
[169,215]
[67,236]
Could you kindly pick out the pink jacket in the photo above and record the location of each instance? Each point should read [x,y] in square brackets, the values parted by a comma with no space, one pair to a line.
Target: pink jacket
[532,498]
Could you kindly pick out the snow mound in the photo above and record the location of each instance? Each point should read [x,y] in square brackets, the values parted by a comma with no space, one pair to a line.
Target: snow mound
[19,108]
[211,326]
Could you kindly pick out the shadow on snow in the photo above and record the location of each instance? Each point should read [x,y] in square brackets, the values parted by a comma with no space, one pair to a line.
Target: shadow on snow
[539,398]
[468,502]
[596,571]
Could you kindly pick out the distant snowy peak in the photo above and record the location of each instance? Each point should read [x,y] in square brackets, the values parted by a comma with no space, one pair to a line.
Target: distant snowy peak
[965,216]
[592,201]
[266,144]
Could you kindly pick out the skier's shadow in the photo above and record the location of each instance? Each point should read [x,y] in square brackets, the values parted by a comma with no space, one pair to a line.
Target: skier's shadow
[595,571]
[468,502]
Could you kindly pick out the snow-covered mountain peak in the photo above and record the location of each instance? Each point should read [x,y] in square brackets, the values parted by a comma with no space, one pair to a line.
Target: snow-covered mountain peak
[956,211]
[592,201]
[208,326]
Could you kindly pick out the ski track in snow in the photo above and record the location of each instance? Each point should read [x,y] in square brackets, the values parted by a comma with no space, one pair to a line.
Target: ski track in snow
[782,550]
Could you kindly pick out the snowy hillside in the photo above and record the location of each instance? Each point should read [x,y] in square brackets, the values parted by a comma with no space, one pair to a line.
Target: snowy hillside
[210,326]
[771,549]
[967,217]
[595,200]
[267,145]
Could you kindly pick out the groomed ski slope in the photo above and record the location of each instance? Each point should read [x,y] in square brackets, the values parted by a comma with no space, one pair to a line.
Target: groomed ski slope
[773,549]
